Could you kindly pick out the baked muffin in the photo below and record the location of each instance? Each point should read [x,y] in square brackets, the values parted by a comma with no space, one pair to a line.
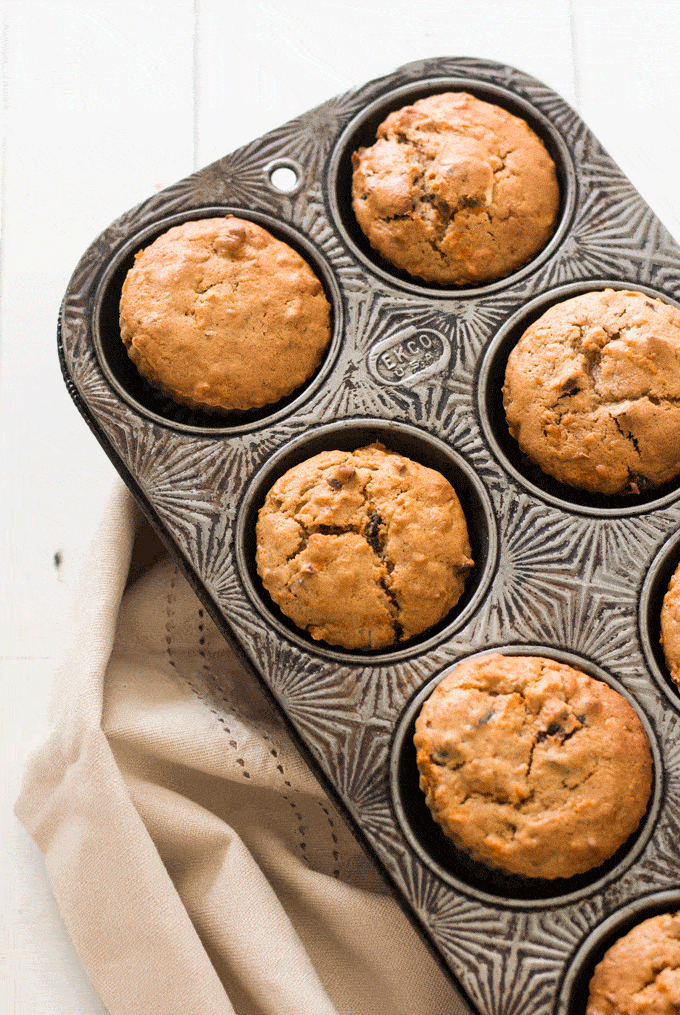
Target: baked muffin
[455,190]
[640,973]
[363,548]
[670,626]
[531,766]
[592,392]
[221,315]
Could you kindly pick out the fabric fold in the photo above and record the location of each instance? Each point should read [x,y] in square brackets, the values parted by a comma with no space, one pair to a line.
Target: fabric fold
[197,863]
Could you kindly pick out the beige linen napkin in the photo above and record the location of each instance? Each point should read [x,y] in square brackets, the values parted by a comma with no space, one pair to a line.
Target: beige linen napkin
[198,865]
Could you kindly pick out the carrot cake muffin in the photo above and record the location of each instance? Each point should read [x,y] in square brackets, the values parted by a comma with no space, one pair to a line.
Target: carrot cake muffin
[640,973]
[221,315]
[532,766]
[455,190]
[670,626]
[363,548]
[592,392]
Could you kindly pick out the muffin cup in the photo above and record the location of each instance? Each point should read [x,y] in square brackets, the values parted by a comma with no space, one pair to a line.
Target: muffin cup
[415,445]
[573,995]
[361,132]
[142,396]
[471,877]
[506,449]
[660,572]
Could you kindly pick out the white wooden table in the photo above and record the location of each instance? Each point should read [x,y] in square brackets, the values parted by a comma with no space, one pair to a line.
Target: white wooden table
[105,102]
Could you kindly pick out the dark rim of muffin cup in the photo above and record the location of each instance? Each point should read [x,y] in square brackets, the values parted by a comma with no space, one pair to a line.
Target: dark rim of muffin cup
[361,132]
[654,588]
[149,401]
[573,995]
[349,435]
[452,865]
[506,449]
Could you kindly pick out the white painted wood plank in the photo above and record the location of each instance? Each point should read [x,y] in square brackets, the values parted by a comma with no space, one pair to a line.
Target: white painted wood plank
[628,86]
[42,974]
[263,64]
[98,112]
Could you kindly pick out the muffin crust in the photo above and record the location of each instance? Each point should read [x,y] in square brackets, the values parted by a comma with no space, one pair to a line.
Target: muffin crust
[592,392]
[221,315]
[670,626]
[532,766]
[363,549]
[455,190]
[640,973]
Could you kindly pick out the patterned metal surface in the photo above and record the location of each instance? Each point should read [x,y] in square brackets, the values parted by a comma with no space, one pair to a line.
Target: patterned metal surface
[560,574]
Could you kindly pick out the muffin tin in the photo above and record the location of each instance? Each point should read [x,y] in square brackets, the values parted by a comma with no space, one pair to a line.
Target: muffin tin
[557,572]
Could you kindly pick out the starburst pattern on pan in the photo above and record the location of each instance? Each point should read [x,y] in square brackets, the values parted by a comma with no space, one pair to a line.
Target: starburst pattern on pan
[560,114]
[661,856]
[507,961]
[665,273]
[477,322]
[76,343]
[309,684]
[359,772]
[209,548]
[627,545]
[431,897]
[385,688]
[562,930]
[359,394]
[609,242]
[550,585]
[458,427]
[97,393]
[310,215]
[598,173]
[670,736]
[506,978]
[236,179]
[241,177]
[373,317]
[174,472]
[309,138]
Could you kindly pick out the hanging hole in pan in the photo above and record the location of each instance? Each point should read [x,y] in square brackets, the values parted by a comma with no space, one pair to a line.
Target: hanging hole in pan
[284,176]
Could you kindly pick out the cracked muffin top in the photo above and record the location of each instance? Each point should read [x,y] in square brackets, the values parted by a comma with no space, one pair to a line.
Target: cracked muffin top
[363,549]
[532,766]
[670,626]
[455,190]
[221,315]
[640,973]
[592,392]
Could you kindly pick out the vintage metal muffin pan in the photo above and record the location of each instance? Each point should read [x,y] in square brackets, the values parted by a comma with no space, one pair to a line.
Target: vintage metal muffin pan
[418,367]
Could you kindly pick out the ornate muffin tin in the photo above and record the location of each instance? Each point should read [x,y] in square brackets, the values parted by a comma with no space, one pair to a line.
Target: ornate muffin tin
[557,572]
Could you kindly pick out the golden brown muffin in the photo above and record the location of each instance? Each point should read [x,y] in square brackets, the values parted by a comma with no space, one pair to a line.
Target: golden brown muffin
[221,315]
[670,626]
[363,548]
[455,190]
[640,973]
[531,766]
[592,392]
